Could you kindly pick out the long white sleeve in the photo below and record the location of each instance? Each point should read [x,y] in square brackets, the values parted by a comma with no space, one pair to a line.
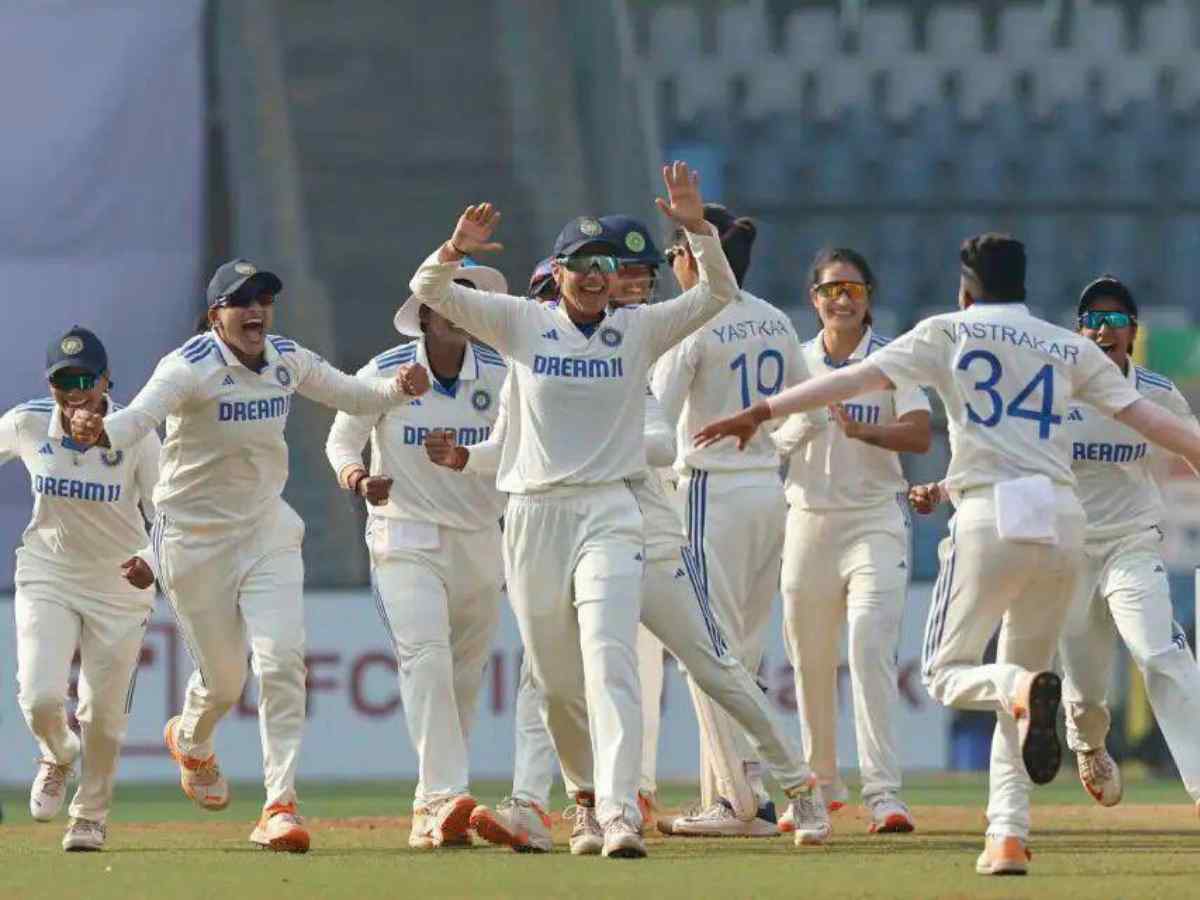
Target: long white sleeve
[484,458]
[169,388]
[672,379]
[796,431]
[332,387]
[8,437]
[491,318]
[147,472]
[660,434]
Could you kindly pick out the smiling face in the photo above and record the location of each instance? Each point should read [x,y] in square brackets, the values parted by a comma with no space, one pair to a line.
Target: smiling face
[71,397]
[845,309]
[636,284]
[244,328]
[1117,343]
[587,294]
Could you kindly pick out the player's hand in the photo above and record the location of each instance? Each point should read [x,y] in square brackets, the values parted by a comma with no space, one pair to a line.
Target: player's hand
[924,498]
[137,572]
[86,427]
[443,450]
[413,378]
[683,204]
[851,428]
[473,233]
[741,427]
[375,489]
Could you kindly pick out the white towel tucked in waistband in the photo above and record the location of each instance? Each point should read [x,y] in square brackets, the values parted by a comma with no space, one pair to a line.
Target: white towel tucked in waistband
[1026,510]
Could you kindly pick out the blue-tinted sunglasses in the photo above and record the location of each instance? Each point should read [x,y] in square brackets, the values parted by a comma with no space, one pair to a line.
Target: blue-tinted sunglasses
[1096,320]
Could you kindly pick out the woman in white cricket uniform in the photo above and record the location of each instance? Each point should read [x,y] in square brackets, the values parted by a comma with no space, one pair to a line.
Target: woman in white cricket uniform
[1125,591]
[434,540]
[847,552]
[227,545]
[83,581]
[735,508]
[573,540]
[1014,556]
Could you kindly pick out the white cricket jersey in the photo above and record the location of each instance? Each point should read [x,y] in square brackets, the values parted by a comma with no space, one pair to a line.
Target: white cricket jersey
[578,410]
[421,490]
[1007,379]
[86,520]
[747,352]
[224,461]
[1115,466]
[834,472]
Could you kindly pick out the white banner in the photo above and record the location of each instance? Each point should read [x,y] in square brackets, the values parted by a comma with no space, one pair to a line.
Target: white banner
[356,726]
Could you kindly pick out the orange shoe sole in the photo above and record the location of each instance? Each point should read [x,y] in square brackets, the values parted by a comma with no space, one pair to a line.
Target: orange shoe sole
[893,824]
[488,828]
[294,840]
[173,749]
[458,822]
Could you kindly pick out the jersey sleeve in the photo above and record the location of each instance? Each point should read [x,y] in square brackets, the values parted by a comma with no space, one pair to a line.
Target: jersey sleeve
[1097,381]
[913,359]
[173,383]
[1174,402]
[673,320]
[660,436]
[496,319]
[910,399]
[329,386]
[349,434]
[147,472]
[797,430]
[484,458]
[672,378]
[9,446]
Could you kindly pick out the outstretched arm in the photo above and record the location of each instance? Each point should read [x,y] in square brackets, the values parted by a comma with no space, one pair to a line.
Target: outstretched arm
[1168,431]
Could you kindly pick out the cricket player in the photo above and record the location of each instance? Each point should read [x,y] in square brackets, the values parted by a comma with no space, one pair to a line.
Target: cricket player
[1125,590]
[573,539]
[847,551]
[1014,556]
[735,508]
[434,541]
[226,544]
[83,580]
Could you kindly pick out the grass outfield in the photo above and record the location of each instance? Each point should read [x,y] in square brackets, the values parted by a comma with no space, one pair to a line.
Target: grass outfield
[161,847]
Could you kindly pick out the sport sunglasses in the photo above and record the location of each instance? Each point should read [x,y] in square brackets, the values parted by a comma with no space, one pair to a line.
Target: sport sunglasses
[607,265]
[831,290]
[77,381]
[240,300]
[1096,320]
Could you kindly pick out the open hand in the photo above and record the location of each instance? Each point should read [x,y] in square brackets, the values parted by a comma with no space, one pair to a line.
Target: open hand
[137,572]
[413,378]
[443,450]
[375,489]
[683,203]
[851,428]
[473,233]
[924,498]
[86,427]
[742,427]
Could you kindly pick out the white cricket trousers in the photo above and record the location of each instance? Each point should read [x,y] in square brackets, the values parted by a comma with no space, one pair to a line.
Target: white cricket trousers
[1025,589]
[735,525]
[573,559]
[229,589]
[1125,592]
[53,617]
[441,606]
[848,566]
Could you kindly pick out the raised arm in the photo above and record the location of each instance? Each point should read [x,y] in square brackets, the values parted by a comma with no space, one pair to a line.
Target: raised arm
[349,435]
[172,384]
[332,387]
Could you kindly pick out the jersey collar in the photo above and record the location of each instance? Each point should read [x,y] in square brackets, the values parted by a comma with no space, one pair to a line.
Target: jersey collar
[859,353]
[468,372]
[984,308]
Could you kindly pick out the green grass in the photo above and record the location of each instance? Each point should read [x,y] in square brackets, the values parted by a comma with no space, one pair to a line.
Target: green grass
[162,847]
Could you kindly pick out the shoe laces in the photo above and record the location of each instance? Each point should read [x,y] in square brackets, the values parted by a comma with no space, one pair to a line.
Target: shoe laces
[55,779]
[621,826]
[285,812]
[515,806]
[718,810]
[1096,766]
[87,825]
[204,771]
[585,818]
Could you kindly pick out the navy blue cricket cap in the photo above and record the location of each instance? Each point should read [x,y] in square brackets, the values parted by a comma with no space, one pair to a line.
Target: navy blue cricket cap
[636,244]
[1108,286]
[230,277]
[77,349]
[586,230]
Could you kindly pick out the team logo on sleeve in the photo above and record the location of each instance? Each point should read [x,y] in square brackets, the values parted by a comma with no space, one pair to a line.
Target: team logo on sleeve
[635,242]
[112,458]
[610,337]
[481,400]
[71,345]
[283,375]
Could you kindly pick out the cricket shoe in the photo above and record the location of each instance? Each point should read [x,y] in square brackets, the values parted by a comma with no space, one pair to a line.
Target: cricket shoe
[449,819]
[1100,776]
[809,817]
[1003,856]
[889,815]
[280,829]
[201,779]
[1036,710]
[587,837]
[719,820]
[515,823]
[837,795]
[623,841]
[647,806]
[49,789]
[83,834]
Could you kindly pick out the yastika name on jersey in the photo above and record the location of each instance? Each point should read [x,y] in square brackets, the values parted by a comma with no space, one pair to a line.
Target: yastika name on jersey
[750,328]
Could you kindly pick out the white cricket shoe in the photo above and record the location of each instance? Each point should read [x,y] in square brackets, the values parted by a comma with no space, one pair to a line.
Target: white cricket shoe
[450,819]
[420,833]
[719,820]
[889,815]
[201,779]
[837,795]
[587,837]
[810,817]
[623,841]
[1006,855]
[281,829]
[49,789]
[83,834]
[1100,776]
[516,823]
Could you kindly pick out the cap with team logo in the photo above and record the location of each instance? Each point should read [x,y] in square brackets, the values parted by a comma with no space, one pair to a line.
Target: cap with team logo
[77,349]
[542,284]
[481,278]
[636,245]
[587,230]
[1108,286]
[235,273]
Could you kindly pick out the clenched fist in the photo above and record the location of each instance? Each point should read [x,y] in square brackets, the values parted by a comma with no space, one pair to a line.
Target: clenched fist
[137,573]
[86,427]
[413,378]
[375,489]
[924,498]
[443,450]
